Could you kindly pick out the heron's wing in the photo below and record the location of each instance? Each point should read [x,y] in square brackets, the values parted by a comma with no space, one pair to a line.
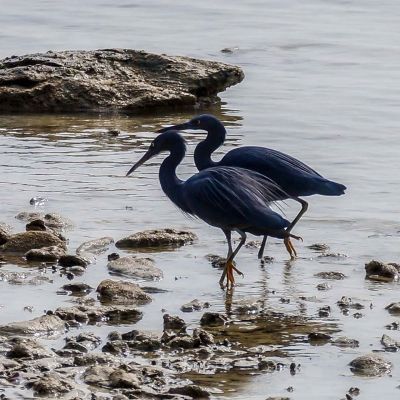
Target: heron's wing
[232,196]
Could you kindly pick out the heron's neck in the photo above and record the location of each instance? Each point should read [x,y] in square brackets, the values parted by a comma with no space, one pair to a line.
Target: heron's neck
[170,183]
[203,151]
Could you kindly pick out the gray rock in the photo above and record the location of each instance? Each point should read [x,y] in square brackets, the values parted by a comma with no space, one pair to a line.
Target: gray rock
[324,286]
[88,359]
[29,216]
[370,365]
[20,243]
[182,342]
[116,347]
[109,376]
[46,325]
[173,322]
[319,247]
[157,238]
[51,384]
[192,391]
[379,271]
[78,288]
[109,80]
[105,314]
[345,342]
[71,260]
[194,305]
[122,292]
[57,221]
[393,308]
[136,267]
[205,338]
[330,275]
[318,337]
[389,343]
[28,349]
[213,318]
[45,254]
[96,246]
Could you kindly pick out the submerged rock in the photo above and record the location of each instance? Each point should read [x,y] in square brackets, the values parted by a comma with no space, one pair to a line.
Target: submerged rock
[136,267]
[96,246]
[319,247]
[109,80]
[344,341]
[46,325]
[334,275]
[379,271]
[393,308]
[45,254]
[70,260]
[194,305]
[122,292]
[390,344]
[77,288]
[157,238]
[370,365]
[20,243]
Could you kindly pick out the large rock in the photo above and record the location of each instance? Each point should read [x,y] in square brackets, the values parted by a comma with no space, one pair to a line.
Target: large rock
[45,325]
[122,292]
[5,232]
[136,267]
[370,365]
[156,238]
[379,271]
[45,254]
[22,242]
[109,80]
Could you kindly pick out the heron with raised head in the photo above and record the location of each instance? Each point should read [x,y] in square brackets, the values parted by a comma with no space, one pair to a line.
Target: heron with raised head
[295,178]
[230,198]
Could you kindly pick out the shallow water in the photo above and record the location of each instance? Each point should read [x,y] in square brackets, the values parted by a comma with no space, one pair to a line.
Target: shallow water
[321,85]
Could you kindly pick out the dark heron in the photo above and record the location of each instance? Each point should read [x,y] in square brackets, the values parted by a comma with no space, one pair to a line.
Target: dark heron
[294,177]
[230,198]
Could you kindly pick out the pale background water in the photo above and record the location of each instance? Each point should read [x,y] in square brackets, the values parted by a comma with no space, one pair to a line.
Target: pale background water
[321,84]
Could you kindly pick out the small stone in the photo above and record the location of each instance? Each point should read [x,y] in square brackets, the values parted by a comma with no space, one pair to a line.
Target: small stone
[96,246]
[51,384]
[183,342]
[122,292]
[71,260]
[389,343]
[206,338]
[194,305]
[324,311]
[393,308]
[192,391]
[114,335]
[174,323]
[78,288]
[370,365]
[157,238]
[135,267]
[330,275]
[319,337]
[319,247]
[113,256]
[213,318]
[36,225]
[28,349]
[113,132]
[45,254]
[332,255]
[324,286]
[217,261]
[345,342]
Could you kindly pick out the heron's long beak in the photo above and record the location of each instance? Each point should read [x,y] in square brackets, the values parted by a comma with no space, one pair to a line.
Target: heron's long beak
[149,154]
[179,127]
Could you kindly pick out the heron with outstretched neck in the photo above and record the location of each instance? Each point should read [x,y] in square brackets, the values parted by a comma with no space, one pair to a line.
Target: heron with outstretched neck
[295,178]
[230,198]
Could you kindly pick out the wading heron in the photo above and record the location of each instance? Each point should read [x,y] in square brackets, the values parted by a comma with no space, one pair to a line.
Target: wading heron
[295,178]
[230,198]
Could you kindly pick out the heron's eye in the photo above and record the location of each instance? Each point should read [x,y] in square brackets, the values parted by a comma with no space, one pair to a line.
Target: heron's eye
[197,122]
[152,145]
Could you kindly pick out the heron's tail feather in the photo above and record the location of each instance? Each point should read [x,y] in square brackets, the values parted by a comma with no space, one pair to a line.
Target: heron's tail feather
[330,188]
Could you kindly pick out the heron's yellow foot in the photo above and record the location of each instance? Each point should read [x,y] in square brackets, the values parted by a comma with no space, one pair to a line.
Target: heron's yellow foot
[289,245]
[228,272]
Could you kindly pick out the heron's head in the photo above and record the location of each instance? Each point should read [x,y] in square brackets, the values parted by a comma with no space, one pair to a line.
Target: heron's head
[204,122]
[167,141]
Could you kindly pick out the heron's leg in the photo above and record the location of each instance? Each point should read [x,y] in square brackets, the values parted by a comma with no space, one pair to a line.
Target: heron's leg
[229,267]
[261,251]
[228,235]
[304,208]
[289,245]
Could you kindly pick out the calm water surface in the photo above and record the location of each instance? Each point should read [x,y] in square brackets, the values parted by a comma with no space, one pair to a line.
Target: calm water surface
[321,84]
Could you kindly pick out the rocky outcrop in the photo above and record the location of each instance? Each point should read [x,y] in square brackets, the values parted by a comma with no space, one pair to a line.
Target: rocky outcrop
[109,80]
